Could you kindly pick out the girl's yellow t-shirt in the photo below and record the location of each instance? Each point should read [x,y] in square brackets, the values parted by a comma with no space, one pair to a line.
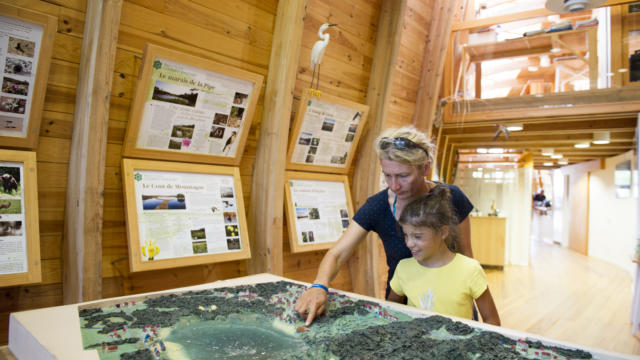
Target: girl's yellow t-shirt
[449,289]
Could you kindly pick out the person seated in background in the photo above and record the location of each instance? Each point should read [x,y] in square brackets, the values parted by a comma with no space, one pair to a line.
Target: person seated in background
[540,202]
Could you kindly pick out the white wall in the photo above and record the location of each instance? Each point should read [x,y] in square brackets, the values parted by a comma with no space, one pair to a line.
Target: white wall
[612,221]
[511,191]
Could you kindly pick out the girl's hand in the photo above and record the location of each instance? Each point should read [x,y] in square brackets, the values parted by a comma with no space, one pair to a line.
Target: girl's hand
[311,304]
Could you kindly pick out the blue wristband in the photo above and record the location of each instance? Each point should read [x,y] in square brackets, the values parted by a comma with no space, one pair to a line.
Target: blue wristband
[320,286]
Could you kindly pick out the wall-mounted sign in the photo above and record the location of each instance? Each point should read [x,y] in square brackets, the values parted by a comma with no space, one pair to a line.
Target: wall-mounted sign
[183,214]
[188,108]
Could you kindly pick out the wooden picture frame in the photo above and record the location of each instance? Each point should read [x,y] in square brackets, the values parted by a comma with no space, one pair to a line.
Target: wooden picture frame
[325,133]
[191,109]
[182,214]
[318,208]
[28,39]
[19,224]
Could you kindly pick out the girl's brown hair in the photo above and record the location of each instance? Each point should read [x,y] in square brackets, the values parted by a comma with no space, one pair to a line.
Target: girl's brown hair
[433,210]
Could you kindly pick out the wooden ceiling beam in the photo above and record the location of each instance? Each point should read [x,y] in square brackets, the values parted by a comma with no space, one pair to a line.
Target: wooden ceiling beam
[530,144]
[517,135]
[598,124]
[557,137]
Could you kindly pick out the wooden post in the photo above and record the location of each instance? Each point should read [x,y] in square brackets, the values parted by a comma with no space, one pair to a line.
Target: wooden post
[592,45]
[363,265]
[617,48]
[267,188]
[435,54]
[82,252]
[478,66]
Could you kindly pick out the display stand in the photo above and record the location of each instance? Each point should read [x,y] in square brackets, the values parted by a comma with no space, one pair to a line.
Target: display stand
[190,109]
[325,133]
[24,61]
[182,214]
[19,225]
[318,208]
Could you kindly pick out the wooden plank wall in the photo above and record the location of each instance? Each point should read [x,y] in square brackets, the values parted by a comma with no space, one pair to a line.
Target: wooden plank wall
[346,68]
[407,80]
[53,157]
[234,32]
[345,71]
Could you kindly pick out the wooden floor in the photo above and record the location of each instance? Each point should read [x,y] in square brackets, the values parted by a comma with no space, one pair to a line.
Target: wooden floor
[567,296]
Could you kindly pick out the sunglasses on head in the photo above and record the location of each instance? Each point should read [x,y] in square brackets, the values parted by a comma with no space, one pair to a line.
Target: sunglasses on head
[400,143]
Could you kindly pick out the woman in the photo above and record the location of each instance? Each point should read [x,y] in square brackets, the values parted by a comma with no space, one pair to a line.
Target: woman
[405,157]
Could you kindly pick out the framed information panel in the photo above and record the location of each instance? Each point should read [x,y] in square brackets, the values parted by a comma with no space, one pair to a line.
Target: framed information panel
[19,228]
[182,214]
[318,208]
[325,134]
[187,108]
[26,44]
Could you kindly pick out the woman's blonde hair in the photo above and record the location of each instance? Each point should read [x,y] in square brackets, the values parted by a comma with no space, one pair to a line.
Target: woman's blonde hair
[411,156]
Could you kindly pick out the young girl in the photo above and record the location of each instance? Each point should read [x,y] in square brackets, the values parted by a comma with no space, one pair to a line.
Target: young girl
[437,278]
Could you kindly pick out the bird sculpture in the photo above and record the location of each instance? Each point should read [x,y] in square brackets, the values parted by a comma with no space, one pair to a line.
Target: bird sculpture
[317,51]
[501,130]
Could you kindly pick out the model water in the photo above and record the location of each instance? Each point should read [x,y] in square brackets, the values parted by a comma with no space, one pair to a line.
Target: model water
[238,337]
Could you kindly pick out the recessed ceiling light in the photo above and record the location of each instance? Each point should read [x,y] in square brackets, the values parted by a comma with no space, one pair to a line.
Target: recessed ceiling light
[481,150]
[532,68]
[623,70]
[582,145]
[563,162]
[555,50]
[496,151]
[601,137]
[556,156]
[549,163]
[545,61]
[547,151]
[515,127]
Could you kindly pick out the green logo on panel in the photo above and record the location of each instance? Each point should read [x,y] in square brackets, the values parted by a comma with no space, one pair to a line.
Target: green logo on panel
[157,64]
[137,176]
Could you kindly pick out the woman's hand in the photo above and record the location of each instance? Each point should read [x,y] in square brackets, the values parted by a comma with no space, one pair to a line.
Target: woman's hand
[311,304]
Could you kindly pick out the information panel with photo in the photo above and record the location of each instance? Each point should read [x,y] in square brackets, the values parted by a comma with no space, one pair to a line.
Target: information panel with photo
[319,209]
[183,214]
[190,109]
[325,134]
[19,229]
[26,41]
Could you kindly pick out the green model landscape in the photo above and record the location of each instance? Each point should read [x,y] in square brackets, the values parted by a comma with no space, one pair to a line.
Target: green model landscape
[258,322]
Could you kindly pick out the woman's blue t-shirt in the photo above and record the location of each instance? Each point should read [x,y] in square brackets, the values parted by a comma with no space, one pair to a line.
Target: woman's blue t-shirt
[375,215]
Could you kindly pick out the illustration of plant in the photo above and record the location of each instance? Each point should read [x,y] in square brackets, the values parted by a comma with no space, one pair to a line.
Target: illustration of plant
[151,248]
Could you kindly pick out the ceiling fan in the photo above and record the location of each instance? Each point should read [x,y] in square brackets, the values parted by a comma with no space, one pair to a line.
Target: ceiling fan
[571,6]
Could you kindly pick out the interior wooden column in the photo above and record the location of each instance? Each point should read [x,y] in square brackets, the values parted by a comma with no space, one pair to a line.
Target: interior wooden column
[363,265]
[435,54]
[267,188]
[82,251]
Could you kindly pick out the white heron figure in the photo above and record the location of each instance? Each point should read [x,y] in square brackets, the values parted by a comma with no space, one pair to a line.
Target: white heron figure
[318,50]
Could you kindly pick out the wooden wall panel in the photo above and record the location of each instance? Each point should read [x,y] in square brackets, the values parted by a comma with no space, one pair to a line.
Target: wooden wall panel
[350,53]
[234,32]
[345,72]
[53,157]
